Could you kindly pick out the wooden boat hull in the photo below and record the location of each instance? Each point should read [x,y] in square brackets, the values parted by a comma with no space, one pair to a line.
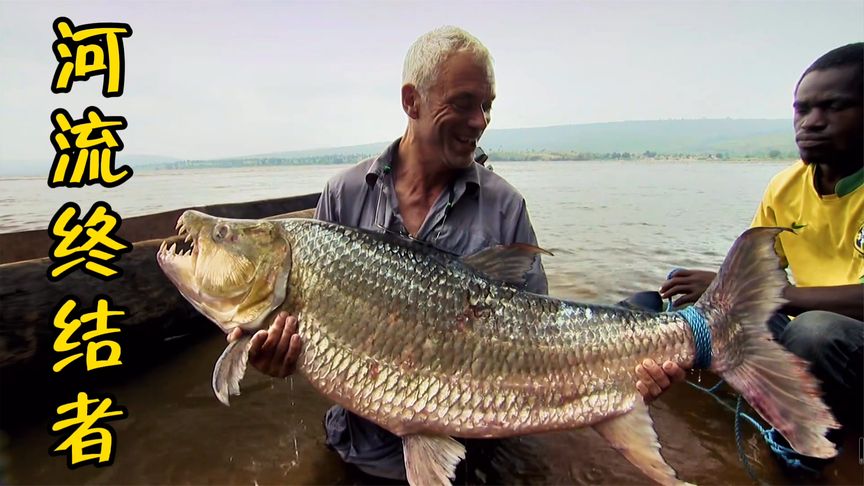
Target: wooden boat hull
[157,313]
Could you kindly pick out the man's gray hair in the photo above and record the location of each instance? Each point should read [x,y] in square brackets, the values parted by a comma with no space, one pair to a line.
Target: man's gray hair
[430,50]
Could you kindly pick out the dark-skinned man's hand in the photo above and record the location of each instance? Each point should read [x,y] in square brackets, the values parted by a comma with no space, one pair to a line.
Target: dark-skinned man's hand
[274,352]
[689,284]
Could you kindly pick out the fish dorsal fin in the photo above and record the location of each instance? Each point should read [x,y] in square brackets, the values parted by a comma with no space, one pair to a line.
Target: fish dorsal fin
[431,459]
[633,435]
[508,263]
[230,368]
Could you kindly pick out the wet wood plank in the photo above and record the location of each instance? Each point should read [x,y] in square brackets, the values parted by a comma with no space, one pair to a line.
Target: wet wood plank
[27,245]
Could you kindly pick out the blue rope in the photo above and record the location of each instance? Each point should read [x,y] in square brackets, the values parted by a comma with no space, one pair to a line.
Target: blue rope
[739,442]
[699,327]
[786,454]
[701,335]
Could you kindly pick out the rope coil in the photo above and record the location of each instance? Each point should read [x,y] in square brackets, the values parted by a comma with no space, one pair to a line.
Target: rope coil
[701,336]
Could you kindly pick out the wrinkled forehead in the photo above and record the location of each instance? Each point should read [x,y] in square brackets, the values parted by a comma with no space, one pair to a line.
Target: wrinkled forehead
[466,71]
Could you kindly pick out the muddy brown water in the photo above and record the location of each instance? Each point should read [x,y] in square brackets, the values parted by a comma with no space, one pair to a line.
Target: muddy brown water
[178,433]
[615,228]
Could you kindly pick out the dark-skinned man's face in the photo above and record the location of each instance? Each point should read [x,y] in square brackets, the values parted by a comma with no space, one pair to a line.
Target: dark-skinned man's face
[829,118]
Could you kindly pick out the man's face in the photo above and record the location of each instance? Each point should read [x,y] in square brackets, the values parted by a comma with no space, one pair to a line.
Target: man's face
[829,119]
[456,110]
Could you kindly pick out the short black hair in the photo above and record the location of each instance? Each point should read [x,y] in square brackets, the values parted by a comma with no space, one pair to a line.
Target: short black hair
[848,55]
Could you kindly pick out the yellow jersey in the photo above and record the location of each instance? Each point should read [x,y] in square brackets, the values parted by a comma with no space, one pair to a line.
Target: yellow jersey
[827,246]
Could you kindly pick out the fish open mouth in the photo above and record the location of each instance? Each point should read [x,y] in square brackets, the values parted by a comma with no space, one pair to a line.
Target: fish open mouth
[188,271]
[180,266]
[230,268]
[169,257]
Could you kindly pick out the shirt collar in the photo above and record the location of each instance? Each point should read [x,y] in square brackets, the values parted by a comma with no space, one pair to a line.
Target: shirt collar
[383,164]
[467,181]
[844,186]
[850,183]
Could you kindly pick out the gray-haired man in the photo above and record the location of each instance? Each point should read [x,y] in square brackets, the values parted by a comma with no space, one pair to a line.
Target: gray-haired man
[427,186]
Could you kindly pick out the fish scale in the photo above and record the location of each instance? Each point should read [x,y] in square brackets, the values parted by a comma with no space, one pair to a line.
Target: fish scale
[428,345]
[524,336]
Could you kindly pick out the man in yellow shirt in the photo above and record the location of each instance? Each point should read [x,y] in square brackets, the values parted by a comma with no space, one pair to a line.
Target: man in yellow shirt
[822,199]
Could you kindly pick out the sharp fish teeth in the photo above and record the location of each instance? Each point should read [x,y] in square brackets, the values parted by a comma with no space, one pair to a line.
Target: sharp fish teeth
[179,223]
[162,246]
[188,238]
[173,248]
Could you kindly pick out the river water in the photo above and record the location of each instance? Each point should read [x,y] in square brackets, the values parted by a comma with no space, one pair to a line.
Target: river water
[614,227]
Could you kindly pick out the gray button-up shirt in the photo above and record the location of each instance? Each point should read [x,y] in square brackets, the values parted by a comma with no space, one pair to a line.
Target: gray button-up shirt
[479,209]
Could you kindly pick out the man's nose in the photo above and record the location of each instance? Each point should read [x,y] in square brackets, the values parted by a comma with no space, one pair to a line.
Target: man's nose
[816,119]
[479,118]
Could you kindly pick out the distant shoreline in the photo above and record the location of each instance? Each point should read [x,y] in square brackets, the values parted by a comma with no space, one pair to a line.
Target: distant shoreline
[699,139]
[493,160]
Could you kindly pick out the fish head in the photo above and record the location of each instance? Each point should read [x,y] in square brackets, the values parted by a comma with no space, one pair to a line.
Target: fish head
[236,271]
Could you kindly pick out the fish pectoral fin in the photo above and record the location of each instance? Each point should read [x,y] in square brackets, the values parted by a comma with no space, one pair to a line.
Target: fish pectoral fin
[508,263]
[230,368]
[431,459]
[633,435]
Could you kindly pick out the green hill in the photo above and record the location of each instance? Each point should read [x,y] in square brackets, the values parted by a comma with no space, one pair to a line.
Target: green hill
[731,137]
[726,138]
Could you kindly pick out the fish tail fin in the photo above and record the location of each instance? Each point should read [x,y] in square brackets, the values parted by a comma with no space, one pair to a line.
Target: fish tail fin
[739,302]
[230,368]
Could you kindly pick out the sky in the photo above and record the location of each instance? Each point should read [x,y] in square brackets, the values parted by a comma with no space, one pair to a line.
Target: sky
[219,79]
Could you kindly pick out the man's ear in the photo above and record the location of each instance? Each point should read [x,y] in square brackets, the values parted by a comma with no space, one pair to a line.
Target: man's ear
[411,101]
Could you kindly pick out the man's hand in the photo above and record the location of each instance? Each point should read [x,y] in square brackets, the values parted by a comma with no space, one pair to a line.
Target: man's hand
[654,380]
[690,284]
[275,351]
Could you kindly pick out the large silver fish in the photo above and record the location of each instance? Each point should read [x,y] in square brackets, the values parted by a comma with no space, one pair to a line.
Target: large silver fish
[431,346]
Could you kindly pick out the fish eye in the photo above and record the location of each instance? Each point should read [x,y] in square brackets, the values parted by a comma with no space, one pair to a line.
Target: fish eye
[220,231]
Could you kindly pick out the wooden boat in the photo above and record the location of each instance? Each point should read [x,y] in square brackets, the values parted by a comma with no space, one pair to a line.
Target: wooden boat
[157,313]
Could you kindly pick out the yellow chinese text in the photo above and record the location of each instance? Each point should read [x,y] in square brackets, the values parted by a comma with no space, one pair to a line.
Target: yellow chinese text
[89,443]
[89,50]
[90,244]
[99,319]
[91,150]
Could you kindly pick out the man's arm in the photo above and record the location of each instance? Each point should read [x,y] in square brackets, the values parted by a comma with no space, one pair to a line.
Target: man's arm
[842,299]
